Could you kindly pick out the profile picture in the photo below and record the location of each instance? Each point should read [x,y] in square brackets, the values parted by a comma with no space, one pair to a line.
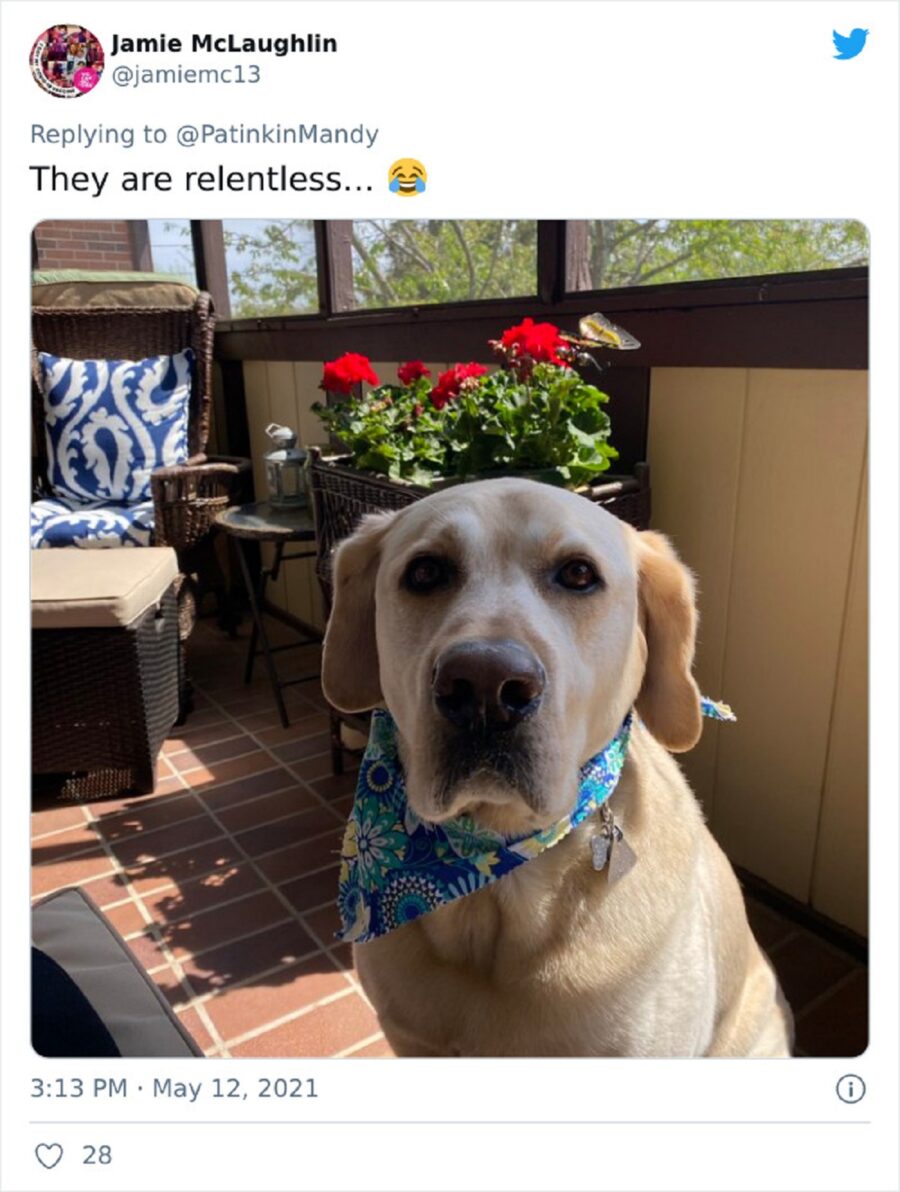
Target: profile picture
[67,61]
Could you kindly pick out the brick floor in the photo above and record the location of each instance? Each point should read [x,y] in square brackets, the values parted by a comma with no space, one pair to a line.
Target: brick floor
[223,881]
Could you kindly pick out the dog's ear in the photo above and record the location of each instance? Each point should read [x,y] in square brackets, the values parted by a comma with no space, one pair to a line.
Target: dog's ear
[350,678]
[669,699]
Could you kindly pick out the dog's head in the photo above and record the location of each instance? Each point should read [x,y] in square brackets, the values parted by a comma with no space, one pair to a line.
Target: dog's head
[509,627]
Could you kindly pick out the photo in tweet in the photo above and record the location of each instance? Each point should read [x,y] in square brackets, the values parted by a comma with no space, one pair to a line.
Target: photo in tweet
[449,637]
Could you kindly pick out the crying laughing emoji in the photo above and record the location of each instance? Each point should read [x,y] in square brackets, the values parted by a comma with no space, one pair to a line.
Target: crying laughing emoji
[407,177]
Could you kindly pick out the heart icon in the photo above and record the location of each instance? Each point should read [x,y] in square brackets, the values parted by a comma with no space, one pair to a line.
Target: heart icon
[48,1154]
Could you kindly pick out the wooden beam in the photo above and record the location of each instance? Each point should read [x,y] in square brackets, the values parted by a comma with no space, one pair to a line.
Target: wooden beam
[551,260]
[812,321]
[208,239]
[141,255]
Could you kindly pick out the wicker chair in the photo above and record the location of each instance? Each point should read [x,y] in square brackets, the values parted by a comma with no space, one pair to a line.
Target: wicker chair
[186,498]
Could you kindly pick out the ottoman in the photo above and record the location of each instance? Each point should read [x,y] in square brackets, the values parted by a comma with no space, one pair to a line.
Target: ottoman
[105,666]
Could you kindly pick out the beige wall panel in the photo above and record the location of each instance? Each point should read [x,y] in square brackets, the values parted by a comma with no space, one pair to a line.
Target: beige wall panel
[282,395]
[802,458]
[694,446]
[385,371]
[840,876]
[307,376]
[256,390]
[297,587]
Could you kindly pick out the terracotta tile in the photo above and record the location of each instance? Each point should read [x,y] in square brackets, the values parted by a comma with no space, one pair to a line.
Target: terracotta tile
[240,1010]
[294,751]
[143,818]
[167,786]
[314,724]
[285,832]
[239,700]
[323,1031]
[839,1025]
[246,958]
[324,922]
[163,769]
[201,718]
[311,768]
[343,955]
[72,841]
[108,889]
[209,755]
[335,786]
[180,902]
[806,968]
[52,819]
[312,890]
[103,808]
[126,918]
[216,856]
[380,1049]
[289,863]
[313,694]
[343,805]
[220,772]
[167,982]
[196,1027]
[147,951]
[250,787]
[189,736]
[148,846]
[215,927]
[269,807]
[69,872]
[252,722]
[768,927]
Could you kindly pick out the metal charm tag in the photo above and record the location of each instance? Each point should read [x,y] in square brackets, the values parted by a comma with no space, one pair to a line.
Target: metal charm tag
[622,858]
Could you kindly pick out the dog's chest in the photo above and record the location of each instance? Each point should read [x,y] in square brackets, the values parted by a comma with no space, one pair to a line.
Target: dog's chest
[499,931]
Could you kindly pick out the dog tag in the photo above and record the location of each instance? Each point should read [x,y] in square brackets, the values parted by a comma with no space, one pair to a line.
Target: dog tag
[601,845]
[622,857]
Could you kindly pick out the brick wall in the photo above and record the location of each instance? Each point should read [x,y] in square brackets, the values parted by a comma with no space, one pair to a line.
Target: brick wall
[84,244]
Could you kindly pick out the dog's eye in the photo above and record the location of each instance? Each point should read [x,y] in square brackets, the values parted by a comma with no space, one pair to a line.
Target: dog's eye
[578,575]
[426,573]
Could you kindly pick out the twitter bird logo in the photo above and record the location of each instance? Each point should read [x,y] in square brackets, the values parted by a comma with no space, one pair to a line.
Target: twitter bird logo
[849,47]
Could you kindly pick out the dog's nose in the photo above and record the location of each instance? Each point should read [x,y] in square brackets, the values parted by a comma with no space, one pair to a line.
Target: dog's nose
[497,683]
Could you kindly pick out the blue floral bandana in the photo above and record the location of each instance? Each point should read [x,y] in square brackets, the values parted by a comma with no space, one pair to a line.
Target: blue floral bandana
[396,866]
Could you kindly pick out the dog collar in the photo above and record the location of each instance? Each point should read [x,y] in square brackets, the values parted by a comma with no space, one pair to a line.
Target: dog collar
[396,867]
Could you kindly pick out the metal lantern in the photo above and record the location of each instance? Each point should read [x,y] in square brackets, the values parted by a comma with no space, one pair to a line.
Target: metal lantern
[285,467]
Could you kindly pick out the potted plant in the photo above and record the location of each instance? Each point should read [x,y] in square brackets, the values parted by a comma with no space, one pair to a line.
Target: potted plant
[533,416]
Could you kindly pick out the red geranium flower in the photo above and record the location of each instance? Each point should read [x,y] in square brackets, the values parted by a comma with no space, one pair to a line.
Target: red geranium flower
[339,376]
[412,371]
[540,341]
[450,383]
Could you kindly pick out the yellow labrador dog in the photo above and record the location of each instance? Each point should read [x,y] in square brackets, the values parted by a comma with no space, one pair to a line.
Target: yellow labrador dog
[509,627]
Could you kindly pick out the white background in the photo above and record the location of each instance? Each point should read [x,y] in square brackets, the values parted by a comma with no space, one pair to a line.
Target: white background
[517,109]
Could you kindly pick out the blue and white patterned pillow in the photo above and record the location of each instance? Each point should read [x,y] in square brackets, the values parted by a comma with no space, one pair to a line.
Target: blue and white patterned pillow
[110,423]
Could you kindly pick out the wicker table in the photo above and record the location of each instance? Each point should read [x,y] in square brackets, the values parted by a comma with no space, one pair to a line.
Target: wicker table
[261,522]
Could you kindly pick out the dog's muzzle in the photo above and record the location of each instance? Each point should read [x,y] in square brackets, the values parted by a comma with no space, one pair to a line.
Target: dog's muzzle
[485,685]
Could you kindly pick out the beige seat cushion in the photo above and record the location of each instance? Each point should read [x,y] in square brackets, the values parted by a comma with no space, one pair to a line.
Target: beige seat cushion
[97,589]
[78,288]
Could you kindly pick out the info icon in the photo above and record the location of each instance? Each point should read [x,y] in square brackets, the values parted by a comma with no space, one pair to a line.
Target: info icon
[67,61]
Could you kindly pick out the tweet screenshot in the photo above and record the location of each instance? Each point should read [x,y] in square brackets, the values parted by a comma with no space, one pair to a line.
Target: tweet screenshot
[449,596]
